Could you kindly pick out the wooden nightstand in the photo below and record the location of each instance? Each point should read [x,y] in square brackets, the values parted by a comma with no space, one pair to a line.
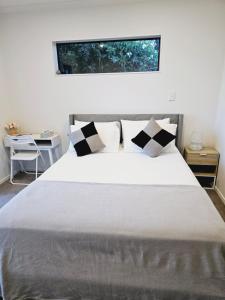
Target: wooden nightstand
[204,164]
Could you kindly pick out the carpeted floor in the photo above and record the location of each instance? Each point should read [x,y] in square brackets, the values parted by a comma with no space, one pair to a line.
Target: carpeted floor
[8,191]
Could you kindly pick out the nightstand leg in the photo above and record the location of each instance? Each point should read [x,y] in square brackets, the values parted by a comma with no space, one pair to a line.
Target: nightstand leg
[50,157]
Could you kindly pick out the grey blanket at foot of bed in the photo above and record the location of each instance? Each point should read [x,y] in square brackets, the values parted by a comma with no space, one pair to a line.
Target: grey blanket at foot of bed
[99,241]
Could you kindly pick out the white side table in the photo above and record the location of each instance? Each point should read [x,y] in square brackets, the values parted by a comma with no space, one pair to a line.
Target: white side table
[51,145]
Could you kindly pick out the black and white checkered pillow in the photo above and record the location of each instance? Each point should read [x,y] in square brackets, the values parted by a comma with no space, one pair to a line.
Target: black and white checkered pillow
[152,139]
[86,140]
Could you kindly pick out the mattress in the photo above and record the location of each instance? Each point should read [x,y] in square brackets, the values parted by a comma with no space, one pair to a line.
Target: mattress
[125,168]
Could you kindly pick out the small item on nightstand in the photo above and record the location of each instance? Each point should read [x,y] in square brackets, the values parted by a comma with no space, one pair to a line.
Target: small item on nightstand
[12,129]
[46,134]
[196,141]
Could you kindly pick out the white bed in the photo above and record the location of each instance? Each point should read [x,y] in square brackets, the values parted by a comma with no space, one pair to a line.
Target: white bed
[113,226]
[124,168]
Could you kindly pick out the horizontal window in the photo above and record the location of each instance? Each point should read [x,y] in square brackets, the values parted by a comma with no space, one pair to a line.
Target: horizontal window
[109,56]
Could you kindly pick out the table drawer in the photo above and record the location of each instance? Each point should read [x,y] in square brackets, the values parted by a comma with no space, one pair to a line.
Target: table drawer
[202,159]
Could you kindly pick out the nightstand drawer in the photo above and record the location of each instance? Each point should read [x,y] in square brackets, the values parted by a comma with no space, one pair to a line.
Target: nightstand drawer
[202,159]
[212,169]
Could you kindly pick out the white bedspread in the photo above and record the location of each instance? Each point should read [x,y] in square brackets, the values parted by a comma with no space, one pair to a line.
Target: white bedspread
[126,168]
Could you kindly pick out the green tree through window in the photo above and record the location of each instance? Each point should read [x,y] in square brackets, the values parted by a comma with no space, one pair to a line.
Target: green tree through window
[133,55]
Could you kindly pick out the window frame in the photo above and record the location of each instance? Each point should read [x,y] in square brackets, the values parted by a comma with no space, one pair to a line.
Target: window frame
[148,37]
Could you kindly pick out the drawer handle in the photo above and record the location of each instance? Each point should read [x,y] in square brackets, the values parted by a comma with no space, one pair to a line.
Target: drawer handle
[203,154]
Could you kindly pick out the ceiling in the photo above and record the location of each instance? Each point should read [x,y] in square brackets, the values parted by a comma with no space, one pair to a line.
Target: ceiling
[18,5]
[13,4]
[7,3]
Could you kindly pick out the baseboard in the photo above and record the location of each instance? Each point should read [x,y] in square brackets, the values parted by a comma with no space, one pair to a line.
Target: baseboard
[2,180]
[219,193]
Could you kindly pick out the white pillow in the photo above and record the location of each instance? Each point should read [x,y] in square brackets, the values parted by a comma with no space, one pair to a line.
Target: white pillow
[132,128]
[109,133]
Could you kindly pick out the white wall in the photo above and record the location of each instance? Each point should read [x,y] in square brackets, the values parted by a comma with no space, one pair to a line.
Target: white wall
[220,132]
[5,113]
[191,63]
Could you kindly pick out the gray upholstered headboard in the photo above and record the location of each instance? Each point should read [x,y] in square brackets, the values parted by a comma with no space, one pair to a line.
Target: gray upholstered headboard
[174,118]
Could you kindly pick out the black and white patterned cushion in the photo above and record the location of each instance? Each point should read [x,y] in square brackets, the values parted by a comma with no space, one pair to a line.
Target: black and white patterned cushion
[152,139]
[86,140]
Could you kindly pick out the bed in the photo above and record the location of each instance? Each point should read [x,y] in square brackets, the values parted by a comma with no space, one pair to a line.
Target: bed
[113,226]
